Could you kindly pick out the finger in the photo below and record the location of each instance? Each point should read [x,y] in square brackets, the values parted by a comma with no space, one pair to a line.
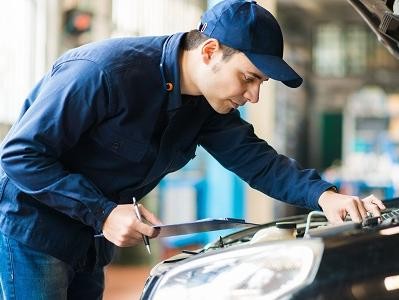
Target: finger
[361,208]
[375,211]
[373,205]
[335,219]
[353,211]
[131,239]
[149,216]
[146,229]
[374,200]
[157,232]
[378,202]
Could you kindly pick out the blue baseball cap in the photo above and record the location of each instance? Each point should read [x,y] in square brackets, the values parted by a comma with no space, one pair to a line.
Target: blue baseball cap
[250,28]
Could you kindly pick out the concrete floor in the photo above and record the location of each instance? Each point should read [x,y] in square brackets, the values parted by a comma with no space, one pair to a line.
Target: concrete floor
[125,282]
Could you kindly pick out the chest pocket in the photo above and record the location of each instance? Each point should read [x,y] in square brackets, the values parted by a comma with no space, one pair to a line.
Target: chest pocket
[181,158]
[132,150]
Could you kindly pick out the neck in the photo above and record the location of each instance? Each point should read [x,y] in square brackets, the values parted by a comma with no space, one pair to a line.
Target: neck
[187,67]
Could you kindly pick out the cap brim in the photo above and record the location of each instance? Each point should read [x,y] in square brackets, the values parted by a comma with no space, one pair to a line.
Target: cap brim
[275,68]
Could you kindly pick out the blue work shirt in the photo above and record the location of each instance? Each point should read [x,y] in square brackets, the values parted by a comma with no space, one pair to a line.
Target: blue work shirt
[107,123]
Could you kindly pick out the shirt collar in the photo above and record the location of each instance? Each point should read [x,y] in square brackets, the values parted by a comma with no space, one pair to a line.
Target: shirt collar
[170,70]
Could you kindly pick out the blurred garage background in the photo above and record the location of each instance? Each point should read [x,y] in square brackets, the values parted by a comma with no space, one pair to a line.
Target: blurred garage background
[344,120]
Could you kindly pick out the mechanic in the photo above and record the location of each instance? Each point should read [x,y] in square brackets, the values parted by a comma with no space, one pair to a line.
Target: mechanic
[112,118]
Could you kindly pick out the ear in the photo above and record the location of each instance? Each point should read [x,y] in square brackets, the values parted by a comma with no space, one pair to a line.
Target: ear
[209,49]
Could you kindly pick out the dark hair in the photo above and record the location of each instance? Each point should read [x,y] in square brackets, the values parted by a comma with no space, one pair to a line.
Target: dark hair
[194,38]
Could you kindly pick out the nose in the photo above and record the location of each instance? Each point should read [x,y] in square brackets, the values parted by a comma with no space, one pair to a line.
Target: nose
[252,93]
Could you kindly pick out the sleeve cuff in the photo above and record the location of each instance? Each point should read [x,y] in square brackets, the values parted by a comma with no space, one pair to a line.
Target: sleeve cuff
[101,214]
[325,186]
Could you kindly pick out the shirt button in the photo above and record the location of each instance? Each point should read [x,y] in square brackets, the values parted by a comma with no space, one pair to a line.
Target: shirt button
[115,145]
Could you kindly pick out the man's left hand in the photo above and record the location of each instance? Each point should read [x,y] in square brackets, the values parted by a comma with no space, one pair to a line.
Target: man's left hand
[337,206]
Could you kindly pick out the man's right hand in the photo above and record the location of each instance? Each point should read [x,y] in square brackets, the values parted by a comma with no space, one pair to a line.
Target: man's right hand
[123,229]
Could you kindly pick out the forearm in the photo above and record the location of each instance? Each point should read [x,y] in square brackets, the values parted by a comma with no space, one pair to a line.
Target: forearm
[257,163]
[70,194]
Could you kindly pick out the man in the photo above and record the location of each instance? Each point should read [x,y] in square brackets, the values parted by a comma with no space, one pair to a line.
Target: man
[110,119]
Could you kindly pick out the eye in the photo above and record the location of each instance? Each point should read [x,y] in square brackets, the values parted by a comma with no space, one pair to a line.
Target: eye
[248,78]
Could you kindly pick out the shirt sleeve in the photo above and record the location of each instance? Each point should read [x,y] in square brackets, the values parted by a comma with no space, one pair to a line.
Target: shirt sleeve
[233,143]
[70,100]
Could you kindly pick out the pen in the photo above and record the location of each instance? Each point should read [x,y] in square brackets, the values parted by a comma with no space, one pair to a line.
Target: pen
[145,238]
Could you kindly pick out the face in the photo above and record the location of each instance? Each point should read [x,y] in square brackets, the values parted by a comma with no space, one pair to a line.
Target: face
[228,84]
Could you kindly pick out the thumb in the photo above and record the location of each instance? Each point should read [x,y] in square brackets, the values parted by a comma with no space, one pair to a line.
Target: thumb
[149,216]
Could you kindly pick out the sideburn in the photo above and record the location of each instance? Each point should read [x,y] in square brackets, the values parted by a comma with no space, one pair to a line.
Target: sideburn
[216,68]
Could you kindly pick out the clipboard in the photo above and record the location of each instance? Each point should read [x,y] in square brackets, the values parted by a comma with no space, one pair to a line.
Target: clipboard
[202,225]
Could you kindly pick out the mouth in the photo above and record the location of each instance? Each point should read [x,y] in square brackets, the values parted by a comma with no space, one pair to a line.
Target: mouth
[235,105]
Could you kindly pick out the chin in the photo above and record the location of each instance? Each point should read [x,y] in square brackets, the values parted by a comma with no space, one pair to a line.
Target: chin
[220,109]
[220,106]
[224,110]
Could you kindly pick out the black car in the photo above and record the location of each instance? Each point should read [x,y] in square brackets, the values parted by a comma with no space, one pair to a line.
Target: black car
[318,261]
[348,261]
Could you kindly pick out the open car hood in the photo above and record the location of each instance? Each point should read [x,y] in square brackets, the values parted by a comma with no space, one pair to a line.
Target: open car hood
[383,18]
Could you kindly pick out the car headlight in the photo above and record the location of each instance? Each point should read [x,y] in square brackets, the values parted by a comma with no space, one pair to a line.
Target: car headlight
[262,271]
